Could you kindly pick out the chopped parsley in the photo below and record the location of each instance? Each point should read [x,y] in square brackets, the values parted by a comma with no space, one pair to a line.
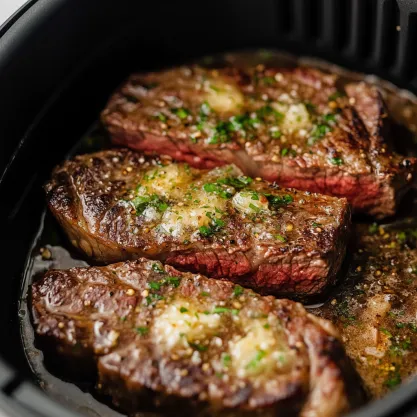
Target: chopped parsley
[386,332]
[244,123]
[268,80]
[141,203]
[183,310]
[256,360]
[168,280]
[335,96]
[275,134]
[373,228]
[277,201]
[318,132]
[336,161]
[157,268]
[222,132]
[161,117]
[401,237]
[226,360]
[413,327]
[213,187]
[198,347]
[206,231]
[256,209]
[220,310]
[215,225]
[393,380]
[398,347]
[280,238]
[173,281]
[237,290]
[181,112]
[142,330]
[154,285]
[236,182]
[330,117]
[153,297]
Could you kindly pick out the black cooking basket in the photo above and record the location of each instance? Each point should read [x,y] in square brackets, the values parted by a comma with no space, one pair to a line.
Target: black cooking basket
[59,61]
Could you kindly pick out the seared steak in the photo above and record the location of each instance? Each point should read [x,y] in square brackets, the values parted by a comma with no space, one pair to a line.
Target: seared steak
[292,126]
[118,205]
[375,307]
[156,330]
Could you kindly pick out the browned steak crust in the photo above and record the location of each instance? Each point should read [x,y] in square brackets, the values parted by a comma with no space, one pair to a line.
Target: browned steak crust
[179,335]
[118,205]
[287,125]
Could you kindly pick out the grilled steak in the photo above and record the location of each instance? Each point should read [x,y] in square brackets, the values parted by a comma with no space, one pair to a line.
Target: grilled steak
[118,205]
[375,307]
[292,126]
[179,335]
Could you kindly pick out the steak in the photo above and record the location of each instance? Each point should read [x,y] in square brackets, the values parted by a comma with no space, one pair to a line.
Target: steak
[293,126]
[118,205]
[375,307]
[156,334]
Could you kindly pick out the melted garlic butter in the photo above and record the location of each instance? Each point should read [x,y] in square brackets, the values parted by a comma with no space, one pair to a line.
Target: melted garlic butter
[256,348]
[184,203]
[223,97]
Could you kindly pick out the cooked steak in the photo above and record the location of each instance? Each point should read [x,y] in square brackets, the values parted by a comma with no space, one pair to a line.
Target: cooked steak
[178,335]
[375,307]
[118,205]
[292,126]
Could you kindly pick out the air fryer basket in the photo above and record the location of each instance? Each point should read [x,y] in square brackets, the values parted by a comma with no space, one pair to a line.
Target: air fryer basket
[59,61]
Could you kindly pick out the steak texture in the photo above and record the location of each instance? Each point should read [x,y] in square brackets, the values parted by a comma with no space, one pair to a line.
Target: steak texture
[157,335]
[293,126]
[118,205]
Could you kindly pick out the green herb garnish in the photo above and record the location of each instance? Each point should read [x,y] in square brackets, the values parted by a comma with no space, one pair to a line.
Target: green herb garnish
[142,330]
[401,237]
[336,161]
[161,117]
[236,182]
[237,290]
[140,203]
[198,347]
[220,310]
[181,112]
[216,188]
[154,285]
[174,281]
[226,360]
[393,380]
[157,268]
[279,201]
[335,96]
[385,331]
[256,360]
[373,228]
[275,134]
[280,238]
